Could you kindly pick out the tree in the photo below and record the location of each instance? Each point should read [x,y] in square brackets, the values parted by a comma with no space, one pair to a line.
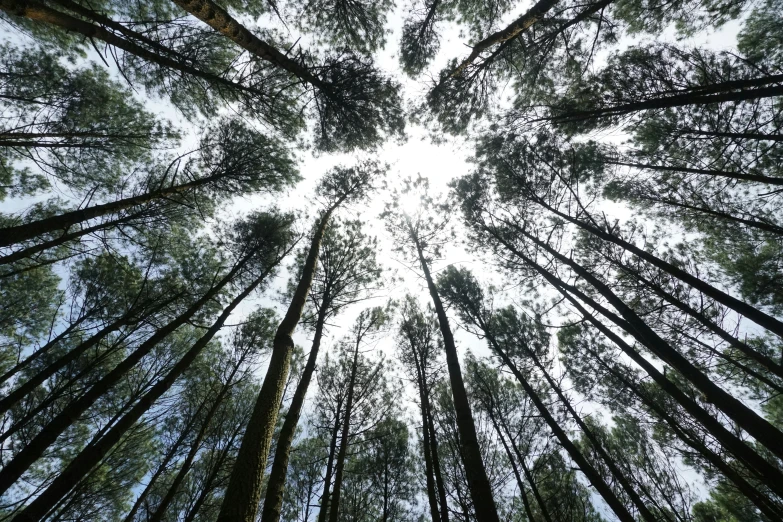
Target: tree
[347,274]
[424,236]
[341,186]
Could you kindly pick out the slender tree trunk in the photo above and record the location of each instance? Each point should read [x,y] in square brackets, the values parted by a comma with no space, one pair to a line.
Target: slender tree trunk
[243,493]
[520,482]
[94,452]
[10,400]
[37,11]
[755,425]
[478,483]
[170,454]
[738,135]
[587,469]
[708,172]
[425,436]
[66,237]
[731,442]
[513,30]
[732,91]
[759,499]
[168,498]
[16,234]
[760,358]
[436,468]
[42,350]
[324,511]
[38,445]
[751,223]
[334,507]
[608,460]
[273,501]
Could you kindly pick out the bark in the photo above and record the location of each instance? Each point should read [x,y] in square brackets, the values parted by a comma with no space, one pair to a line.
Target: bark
[709,172]
[732,91]
[478,483]
[760,500]
[160,510]
[513,30]
[436,469]
[44,349]
[425,436]
[37,11]
[273,502]
[38,445]
[731,442]
[95,451]
[751,223]
[66,237]
[737,135]
[587,469]
[520,482]
[334,507]
[243,493]
[596,444]
[742,308]
[33,382]
[19,233]
[170,454]
[221,21]
[324,511]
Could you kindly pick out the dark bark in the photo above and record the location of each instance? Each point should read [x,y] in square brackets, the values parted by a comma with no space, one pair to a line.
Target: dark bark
[708,172]
[37,11]
[221,21]
[478,482]
[436,468]
[19,233]
[33,451]
[324,511]
[731,91]
[731,442]
[334,504]
[759,499]
[95,451]
[129,318]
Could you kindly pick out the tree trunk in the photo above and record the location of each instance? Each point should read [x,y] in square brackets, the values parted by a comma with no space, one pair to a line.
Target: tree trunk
[324,510]
[33,451]
[731,442]
[755,425]
[708,172]
[218,19]
[520,482]
[751,223]
[738,135]
[436,469]
[243,493]
[608,460]
[94,452]
[16,234]
[731,91]
[760,500]
[425,436]
[31,384]
[587,469]
[478,483]
[37,11]
[334,507]
[513,30]
[273,502]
